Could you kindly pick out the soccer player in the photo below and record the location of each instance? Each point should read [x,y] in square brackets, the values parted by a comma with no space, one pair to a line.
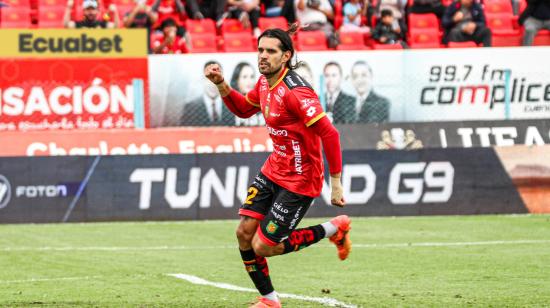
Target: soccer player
[292,176]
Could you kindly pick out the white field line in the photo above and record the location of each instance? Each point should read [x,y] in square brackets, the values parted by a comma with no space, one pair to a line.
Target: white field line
[48,279]
[355,245]
[327,301]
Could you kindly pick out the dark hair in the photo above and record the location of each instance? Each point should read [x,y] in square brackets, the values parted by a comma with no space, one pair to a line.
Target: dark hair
[385,13]
[285,40]
[168,22]
[332,63]
[234,83]
[211,62]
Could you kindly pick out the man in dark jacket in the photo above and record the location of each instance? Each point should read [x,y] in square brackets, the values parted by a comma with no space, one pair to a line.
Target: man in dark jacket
[208,109]
[535,17]
[388,31]
[370,107]
[464,21]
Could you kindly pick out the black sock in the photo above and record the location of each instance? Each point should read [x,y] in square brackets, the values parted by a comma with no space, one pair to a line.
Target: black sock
[302,238]
[258,271]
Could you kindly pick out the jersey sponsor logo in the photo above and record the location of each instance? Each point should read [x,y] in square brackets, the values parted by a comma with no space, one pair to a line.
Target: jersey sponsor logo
[277,216]
[275,115]
[279,207]
[272,227]
[306,102]
[293,80]
[297,156]
[281,91]
[5,191]
[277,132]
[311,111]
[290,82]
[296,217]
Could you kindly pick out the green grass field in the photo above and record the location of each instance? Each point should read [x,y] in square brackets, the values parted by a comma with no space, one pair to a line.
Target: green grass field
[485,261]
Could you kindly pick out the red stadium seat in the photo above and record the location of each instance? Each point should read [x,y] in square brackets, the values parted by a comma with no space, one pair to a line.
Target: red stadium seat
[123,10]
[503,30]
[498,7]
[351,41]
[272,22]
[203,43]
[231,25]
[461,44]
[424,22]
[18,3]
[51,17]
[16,17]
[201,26]
[238,42]
[542,38]
[312,40]
[51,3]
[424,39]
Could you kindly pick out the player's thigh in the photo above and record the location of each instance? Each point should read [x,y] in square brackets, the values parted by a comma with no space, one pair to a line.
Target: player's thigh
[259,198]
[283,217]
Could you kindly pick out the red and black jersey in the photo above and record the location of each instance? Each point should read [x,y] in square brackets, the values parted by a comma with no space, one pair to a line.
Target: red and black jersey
[289,107]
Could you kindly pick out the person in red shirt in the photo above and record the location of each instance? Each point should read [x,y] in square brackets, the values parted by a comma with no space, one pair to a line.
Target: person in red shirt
[168,41]
[292,176]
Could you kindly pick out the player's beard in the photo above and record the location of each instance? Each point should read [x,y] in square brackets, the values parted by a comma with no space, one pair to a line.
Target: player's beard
[269,71]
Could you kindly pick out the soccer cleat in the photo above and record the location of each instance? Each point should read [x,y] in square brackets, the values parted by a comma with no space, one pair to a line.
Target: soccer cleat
[266,303]
[341,237]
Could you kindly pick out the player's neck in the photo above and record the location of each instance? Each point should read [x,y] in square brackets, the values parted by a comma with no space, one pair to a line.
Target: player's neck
[272,79]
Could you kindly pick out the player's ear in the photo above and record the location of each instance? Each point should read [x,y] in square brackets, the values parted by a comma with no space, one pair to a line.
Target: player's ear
[286,56]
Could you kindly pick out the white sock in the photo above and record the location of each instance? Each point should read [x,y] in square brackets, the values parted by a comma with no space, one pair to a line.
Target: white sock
[330,229]
[272,296]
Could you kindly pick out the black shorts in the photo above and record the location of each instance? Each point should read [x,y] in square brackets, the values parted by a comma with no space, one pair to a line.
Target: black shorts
[278,209]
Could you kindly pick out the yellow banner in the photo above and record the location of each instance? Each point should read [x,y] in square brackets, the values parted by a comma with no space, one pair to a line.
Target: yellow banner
[73,43]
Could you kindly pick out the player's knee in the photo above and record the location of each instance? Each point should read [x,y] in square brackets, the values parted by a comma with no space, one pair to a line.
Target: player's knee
[243,234]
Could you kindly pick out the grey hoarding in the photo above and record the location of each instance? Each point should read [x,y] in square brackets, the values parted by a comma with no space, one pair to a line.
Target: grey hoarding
[173,187]
[445,134]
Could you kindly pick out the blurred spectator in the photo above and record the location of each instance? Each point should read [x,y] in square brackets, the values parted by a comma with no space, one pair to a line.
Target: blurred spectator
[247,11]
[535,17]
[316,15]
[168,41]
[243,81]
[464,21]
[387,31]
[208,109]
[90,16]
[213,9]
[168,9]
[339,105]
[370,107]
[353,12]
[304,71]
[273,8]
[427,7]
[141,16]
[397,7]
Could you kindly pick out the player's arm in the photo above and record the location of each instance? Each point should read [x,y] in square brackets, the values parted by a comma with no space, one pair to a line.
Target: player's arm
[235,101]
[331,146]
[307,106]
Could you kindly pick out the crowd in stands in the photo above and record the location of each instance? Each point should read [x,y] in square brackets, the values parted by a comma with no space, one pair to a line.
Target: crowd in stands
[182,26]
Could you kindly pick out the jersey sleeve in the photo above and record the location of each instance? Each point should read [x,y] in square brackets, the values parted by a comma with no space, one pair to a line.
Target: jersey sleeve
[306,105]
[253,97]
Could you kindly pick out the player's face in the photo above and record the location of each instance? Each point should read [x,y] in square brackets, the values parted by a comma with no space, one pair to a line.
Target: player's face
[333,78]
[246,79]
[271,59]
[360,77]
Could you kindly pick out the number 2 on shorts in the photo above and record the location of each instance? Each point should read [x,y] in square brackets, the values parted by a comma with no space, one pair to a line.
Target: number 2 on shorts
[252,191]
